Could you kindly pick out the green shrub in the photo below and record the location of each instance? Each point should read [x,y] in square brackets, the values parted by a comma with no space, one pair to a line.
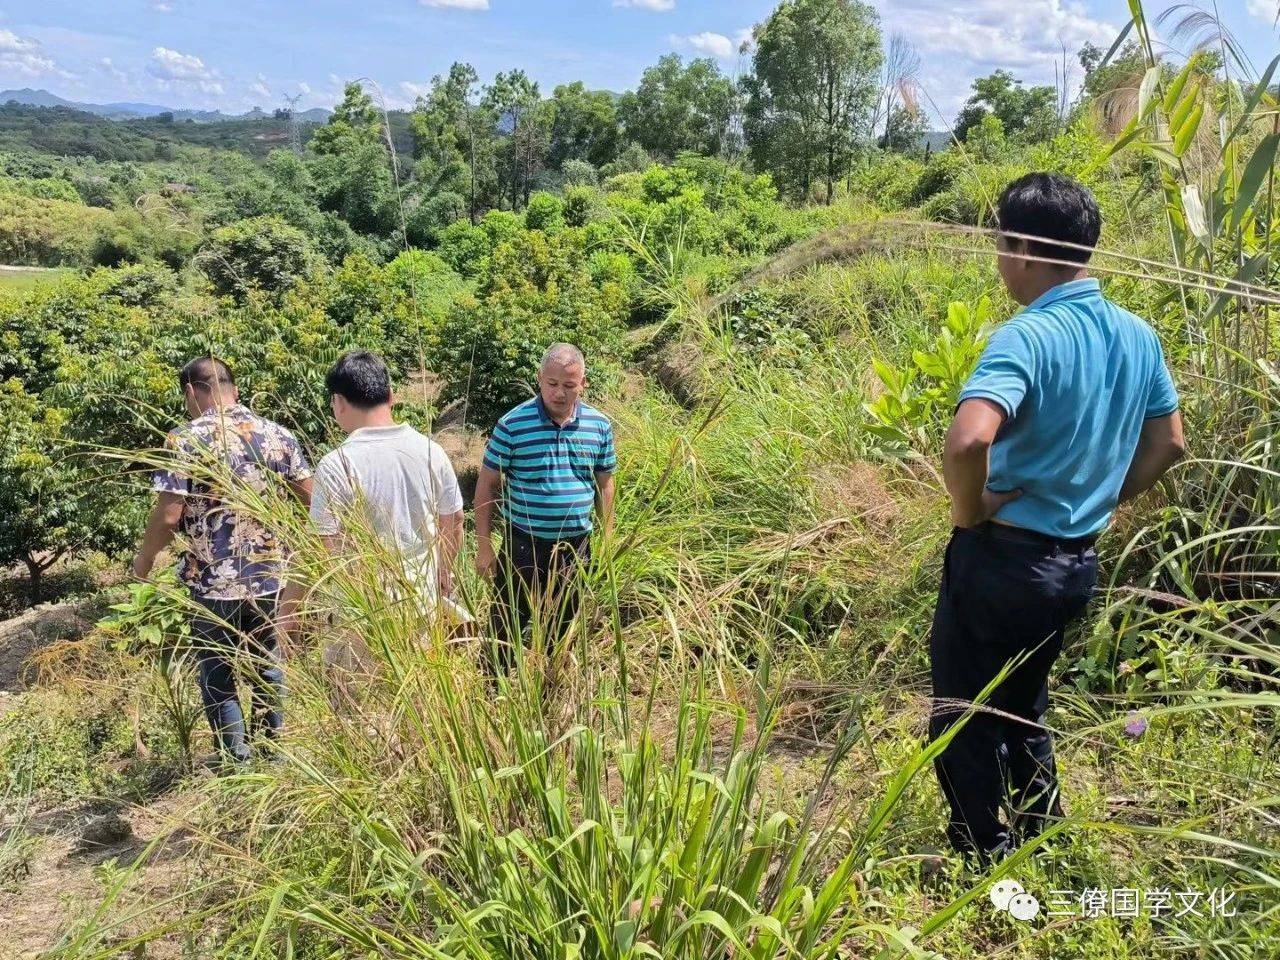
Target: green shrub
[537,292]
[544,212]
[579,173]
[890,181]
[260,255]
[581,206]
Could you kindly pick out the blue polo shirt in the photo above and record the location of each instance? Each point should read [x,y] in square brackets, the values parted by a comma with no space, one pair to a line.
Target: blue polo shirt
[1076,376]
[550,470]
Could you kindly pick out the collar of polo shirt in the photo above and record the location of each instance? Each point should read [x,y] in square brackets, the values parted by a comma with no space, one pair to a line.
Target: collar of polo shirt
[546,417]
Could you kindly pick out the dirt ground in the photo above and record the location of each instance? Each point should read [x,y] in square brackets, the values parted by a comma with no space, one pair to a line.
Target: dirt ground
[64,879]
[67,877]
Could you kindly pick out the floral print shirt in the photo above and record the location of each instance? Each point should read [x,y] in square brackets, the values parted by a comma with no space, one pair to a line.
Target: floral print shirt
[229,555]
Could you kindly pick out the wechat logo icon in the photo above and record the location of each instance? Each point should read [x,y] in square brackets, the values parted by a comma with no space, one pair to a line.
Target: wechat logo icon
[1007,896]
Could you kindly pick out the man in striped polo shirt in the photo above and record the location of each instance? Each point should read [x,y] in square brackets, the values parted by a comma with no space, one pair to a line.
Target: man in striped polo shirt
[550,464]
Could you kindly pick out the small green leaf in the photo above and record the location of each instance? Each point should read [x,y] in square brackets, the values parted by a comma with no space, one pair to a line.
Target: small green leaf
[1188,131]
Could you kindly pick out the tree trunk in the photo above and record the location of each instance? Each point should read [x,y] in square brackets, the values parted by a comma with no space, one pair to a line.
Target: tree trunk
[831,134]
[472,130]
[34,571]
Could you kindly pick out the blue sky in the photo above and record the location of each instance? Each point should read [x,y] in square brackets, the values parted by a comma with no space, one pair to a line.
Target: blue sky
[234,54]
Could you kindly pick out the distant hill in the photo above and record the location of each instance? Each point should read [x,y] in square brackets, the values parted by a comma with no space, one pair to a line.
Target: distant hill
[136,111]
[935,140]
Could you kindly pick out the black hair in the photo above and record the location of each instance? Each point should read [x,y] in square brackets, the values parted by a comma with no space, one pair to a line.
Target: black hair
[361,378]
[206,373]
[1055,207]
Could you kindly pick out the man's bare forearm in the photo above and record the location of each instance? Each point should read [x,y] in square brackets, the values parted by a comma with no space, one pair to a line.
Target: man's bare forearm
[450,538]
[604,502]
[1160,445]
[162,524]
[487,493]
[1146,470]
[964,471]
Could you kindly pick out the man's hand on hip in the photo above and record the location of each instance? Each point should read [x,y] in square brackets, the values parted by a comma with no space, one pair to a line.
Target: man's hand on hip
[990,504]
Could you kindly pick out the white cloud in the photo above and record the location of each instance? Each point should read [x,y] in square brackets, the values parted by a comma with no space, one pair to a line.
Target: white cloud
[960,43]
[716,44]
[1266,10]
[162,7]
[173,68]
[304,88]
[107,66]
[457,4]
[260,87]
[414,90]
[658,6]
[22,55]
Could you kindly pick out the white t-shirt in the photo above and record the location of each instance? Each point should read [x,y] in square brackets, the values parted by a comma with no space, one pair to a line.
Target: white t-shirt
[401,481]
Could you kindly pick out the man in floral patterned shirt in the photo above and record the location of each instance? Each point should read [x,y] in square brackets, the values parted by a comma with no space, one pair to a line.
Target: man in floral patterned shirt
[231,562]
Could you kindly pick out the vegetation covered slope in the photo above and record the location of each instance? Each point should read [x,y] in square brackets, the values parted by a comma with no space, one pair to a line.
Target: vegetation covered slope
[727,755]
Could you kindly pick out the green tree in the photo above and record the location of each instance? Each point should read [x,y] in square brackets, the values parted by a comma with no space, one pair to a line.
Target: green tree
[679,108]
[1027,115]
[355,118]
[584,126]
[260,255]
[454,134]
[813,91]
[53,500]
[513,99]
[536,289]
[904,132]
[351,167]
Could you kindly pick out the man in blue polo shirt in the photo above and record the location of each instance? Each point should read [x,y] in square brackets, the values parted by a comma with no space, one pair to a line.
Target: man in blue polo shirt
[1070,411]
[550,464]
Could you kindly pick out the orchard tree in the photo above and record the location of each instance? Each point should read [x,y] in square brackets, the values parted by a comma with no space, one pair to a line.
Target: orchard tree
[260,255]
[813,91]
[679,108]
[53,499]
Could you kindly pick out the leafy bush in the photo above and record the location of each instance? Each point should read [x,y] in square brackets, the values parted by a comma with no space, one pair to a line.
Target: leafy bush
[581,206]
[259,255]
[49,233]
[537,292]
[918,399]
[764,322]
[579,173]
[544,212]
[890,182]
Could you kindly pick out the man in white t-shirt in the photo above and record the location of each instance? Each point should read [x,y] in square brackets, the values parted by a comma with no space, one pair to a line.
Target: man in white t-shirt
[388,485]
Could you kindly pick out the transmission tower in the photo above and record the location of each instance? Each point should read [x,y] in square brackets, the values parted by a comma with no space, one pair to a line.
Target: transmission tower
[295,124]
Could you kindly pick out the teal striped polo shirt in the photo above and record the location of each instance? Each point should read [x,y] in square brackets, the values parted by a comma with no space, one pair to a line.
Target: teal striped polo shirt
[550,470]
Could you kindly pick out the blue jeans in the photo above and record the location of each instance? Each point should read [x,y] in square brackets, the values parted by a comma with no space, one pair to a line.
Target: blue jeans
[1004,594]
[226,631]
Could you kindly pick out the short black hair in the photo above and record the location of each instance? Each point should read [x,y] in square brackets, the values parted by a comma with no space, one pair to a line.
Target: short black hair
[1055,207]
[206,373]
[361,378]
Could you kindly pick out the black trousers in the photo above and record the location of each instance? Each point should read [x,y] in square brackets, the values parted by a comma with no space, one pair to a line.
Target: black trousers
[232,634]
[1005,594]
[538,588]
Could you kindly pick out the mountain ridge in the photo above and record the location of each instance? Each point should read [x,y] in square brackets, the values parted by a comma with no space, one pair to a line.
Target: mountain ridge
[136,111]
